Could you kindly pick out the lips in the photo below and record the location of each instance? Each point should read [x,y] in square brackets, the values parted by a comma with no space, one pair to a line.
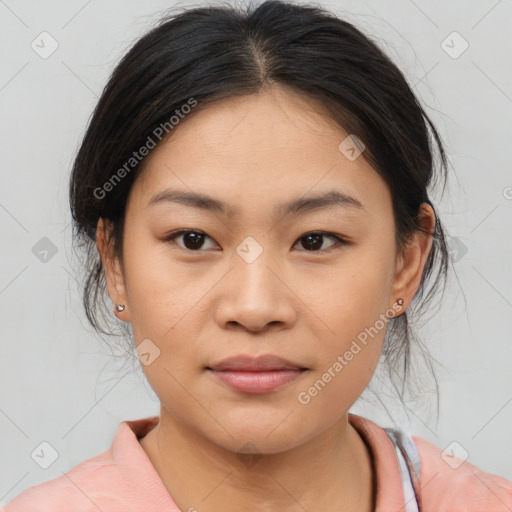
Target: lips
[259,364]
[263,374]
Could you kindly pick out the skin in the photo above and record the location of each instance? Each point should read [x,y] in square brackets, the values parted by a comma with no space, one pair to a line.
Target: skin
[204,305]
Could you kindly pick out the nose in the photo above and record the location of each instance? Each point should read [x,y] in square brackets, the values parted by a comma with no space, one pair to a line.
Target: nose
[255,296]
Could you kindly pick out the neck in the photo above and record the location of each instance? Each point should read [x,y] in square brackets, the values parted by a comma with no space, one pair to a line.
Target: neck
[332,471]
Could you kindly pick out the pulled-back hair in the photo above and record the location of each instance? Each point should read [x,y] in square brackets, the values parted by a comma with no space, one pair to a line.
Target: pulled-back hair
[215,52]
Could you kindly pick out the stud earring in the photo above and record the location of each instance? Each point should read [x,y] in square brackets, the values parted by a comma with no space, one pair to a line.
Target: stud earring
[120,307]
[400,302]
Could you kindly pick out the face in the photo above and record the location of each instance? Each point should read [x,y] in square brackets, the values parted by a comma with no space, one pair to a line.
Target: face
[312,285]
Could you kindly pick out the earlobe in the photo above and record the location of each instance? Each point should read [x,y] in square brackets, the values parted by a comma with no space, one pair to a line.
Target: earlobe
[410,263]
[112,267]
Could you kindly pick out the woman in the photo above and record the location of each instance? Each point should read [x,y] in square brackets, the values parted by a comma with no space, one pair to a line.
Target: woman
[253,192]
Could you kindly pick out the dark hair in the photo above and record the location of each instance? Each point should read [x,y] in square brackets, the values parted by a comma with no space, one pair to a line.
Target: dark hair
[214,52]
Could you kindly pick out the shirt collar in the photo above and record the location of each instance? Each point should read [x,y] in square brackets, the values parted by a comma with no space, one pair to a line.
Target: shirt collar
[139,472]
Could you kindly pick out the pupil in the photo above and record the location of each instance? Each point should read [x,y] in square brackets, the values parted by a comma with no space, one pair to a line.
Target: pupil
[316,238]
[196,239]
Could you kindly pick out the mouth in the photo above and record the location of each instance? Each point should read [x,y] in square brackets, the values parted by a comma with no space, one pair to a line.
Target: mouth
[256,381]
[256,375]
[263,363]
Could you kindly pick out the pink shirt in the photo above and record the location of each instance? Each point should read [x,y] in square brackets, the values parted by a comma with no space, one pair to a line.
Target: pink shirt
[123,479]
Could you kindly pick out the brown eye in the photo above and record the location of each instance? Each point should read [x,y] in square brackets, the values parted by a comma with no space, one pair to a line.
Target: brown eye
[192,240]
[313,241]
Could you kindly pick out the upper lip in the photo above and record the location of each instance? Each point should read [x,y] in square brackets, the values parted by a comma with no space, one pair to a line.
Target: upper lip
[251,364]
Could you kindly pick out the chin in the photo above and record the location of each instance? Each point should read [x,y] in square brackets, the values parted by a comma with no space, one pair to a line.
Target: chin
[259,437]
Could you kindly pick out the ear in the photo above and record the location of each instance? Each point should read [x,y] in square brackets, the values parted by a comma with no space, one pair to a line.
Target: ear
[113,268]
[410,263]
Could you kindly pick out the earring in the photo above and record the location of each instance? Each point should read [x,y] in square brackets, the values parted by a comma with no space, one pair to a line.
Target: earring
[119,307]
[400,302]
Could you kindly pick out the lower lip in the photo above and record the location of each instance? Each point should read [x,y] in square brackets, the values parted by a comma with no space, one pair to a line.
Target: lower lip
[256,382]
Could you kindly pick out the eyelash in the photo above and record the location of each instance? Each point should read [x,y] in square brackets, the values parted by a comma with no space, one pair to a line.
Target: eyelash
[340,241]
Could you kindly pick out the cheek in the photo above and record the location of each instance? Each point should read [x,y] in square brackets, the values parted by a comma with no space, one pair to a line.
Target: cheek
[159,292]
[352,297]
[352,307]
[347,358]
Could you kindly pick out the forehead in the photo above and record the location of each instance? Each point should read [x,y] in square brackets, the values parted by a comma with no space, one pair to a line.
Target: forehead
[258,151]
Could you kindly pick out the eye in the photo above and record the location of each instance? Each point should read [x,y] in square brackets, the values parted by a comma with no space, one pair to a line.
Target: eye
[192,239]
[313,241]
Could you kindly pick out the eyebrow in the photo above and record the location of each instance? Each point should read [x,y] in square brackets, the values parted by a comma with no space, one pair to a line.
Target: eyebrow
[297,206]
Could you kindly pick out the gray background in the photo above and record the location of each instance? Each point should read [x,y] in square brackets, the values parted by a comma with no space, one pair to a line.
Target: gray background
[60,384]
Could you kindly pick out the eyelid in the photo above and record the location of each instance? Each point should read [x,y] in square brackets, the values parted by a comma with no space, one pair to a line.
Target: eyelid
[341,241]
[175,234]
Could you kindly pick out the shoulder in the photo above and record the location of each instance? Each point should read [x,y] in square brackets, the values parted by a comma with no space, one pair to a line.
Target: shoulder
[450,483]
[446,482]
[82,489]
[121,478]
